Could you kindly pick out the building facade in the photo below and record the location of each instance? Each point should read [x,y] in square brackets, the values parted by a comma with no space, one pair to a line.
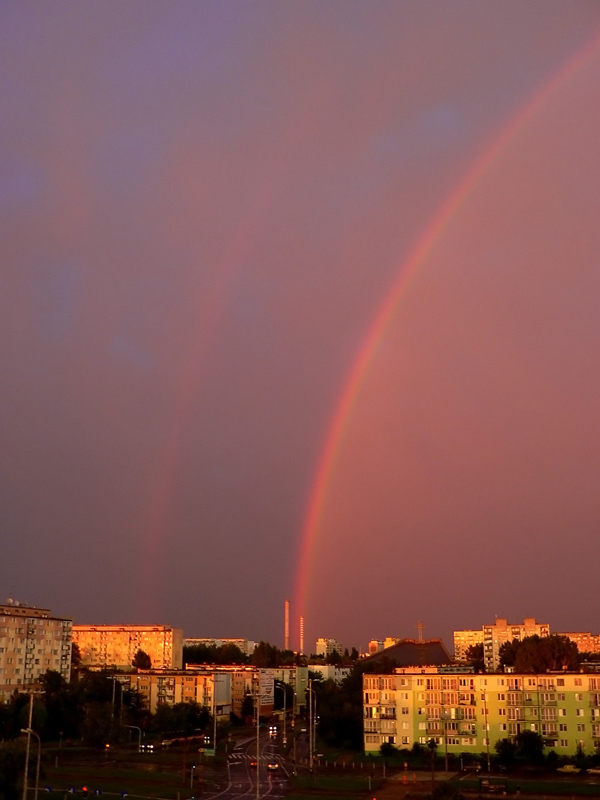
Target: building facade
[325,647]
[469,713]
[465,639]
[586,642]
[106,646]
[494,636]
[168,687]
[31,642]
[245,645]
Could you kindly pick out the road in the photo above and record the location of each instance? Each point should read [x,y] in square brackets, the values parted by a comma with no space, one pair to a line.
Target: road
[242,777]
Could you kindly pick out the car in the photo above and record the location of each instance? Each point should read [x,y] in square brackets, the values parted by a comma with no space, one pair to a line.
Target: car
[569,769]
[253,764]
[593,770]
[303,730]
[272,766]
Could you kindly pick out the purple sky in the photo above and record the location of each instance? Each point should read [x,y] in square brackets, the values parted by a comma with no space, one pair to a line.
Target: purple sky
[203,207]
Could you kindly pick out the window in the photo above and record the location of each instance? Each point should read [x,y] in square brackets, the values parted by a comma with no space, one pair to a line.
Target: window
[406,740]
[561,697]
[405,709]
[578,696]
[560,681]
[578,682]
[580,712]
[580,727]
[564,742]
[562,727]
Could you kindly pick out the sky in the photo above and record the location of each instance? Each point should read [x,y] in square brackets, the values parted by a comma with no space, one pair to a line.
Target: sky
[301,301]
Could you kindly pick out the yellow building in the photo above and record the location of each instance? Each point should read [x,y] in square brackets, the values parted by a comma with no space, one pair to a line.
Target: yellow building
[31,642]
[209,688]
[463,640]
[105,646]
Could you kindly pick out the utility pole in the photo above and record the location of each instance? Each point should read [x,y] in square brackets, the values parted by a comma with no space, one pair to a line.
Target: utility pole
[28,745]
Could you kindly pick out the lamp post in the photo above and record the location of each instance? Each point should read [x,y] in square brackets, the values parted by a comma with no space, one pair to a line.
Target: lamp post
[487,732]
[192,776]
[312,698]
[284,687]
[30,732]
[139,730]
[257,709]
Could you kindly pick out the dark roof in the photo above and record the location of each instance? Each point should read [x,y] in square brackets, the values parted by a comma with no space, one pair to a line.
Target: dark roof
[410,653]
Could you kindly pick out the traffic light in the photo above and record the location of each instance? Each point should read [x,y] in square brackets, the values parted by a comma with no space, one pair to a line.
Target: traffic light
[84,791]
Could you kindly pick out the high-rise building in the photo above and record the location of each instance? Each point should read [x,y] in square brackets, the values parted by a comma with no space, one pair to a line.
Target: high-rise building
[31,642]
[494,636]
[104,646]
[325,647]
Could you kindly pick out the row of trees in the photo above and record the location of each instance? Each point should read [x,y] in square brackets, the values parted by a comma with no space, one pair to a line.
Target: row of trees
[94,708]
[264,655]
[531,654]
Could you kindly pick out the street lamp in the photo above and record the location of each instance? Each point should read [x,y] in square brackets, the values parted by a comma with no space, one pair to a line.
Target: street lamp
[284,687]
[487,731]
[192,776]
[29,731]
[139,730]
[312,701]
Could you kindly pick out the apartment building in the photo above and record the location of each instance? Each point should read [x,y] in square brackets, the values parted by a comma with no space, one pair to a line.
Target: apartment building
[494,636]
[106,646]
[31,642]
[465,639]
[245,645]
[248,680]
[169,687]
[325,647]
[469,713]
[586,642]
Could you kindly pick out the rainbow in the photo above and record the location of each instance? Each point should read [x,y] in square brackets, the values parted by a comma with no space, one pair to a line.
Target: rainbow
[384,317]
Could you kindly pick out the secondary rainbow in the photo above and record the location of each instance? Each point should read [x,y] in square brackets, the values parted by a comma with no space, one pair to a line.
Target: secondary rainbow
[391,303]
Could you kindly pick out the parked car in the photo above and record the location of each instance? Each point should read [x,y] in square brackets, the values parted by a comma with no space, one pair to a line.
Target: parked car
[593,771]
[569,769]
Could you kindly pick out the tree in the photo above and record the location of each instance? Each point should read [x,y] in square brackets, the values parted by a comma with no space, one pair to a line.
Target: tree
[507,752]
[12,764]
[75,654]
[540,654]
[530,748]
[447,791]
[474,655]
[141,660]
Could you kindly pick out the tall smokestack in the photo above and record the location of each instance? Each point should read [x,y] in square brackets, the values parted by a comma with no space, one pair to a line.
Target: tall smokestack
[301,636]
[286,625]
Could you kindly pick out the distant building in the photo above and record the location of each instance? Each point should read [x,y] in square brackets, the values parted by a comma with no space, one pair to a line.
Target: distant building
[106,646]
[377,645]
[330,672]
[325,647]
[248,680]
[465,639]
[413,653]
[494,636]
[245,645]
[586,642]
[207,688]
[31,642]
